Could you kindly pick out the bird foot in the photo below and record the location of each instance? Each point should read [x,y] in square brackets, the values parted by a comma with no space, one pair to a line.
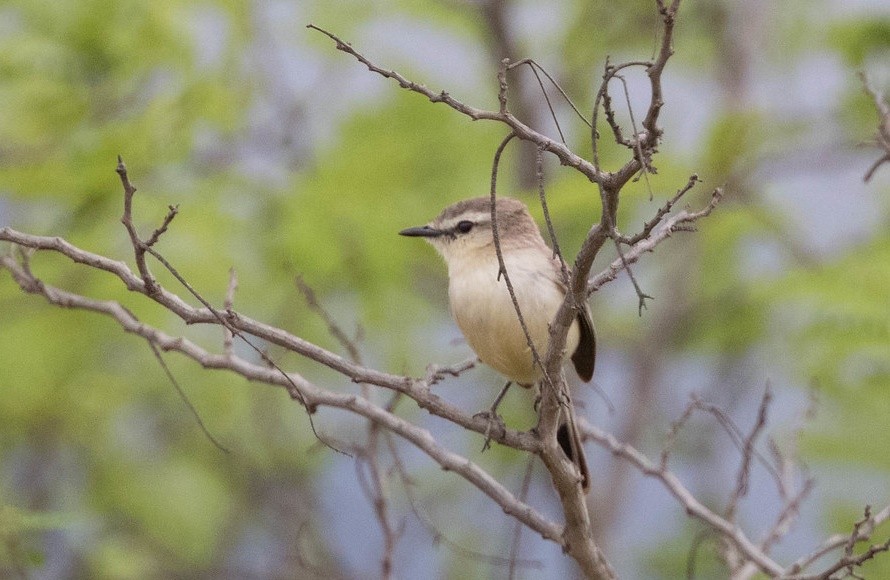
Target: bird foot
[495,425]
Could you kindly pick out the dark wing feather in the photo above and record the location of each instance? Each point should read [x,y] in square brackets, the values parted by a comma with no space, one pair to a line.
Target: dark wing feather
[584,357]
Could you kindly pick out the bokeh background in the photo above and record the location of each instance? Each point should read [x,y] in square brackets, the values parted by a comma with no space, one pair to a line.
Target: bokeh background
[287,157]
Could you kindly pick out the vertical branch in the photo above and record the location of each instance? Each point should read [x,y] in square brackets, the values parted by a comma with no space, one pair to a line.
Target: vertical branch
[127,219]
[650,123]
[228,304]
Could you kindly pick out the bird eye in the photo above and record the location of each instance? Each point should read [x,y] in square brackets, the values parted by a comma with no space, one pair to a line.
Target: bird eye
[464,226]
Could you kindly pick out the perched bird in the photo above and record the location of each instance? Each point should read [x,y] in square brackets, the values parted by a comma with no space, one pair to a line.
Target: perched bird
[483,309]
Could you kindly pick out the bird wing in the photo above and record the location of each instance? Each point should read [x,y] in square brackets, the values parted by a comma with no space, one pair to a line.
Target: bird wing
[584,357]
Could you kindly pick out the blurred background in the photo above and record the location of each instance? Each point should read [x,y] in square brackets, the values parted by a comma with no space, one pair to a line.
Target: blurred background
[289,158]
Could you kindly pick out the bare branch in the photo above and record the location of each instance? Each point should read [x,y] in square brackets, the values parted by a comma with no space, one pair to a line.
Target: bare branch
[861,532]
[229,304]
[662,211]
[692,506]
[127,219]
[313,395]
[535,67]
[185,398]
[416,389]
[748,455]
[347,343]
[523,131]
[673,224]
[438,536]
[669,15]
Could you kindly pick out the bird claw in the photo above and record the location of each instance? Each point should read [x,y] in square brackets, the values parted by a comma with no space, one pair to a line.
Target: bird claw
[494,421]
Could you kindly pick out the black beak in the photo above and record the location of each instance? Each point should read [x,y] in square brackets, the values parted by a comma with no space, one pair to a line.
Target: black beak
[421,232]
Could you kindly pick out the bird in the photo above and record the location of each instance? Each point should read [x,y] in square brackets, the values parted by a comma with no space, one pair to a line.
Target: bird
[483,309]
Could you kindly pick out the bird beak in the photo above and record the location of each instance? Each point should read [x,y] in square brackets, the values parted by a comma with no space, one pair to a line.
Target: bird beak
[422,232]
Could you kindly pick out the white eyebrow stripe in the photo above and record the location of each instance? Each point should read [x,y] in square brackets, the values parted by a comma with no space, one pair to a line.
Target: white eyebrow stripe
[475,217]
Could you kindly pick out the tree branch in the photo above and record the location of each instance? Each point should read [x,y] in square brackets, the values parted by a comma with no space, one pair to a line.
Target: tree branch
[313,395]
[523,131]
[416,389]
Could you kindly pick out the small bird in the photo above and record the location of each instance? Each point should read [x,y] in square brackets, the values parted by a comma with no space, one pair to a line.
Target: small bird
[482,307]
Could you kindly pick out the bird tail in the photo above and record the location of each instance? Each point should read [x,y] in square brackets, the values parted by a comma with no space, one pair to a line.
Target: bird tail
[570,441]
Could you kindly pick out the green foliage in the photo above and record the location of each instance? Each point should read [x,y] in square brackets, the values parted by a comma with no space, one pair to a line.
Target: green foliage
[839,326]
[17,530]
[339,225]
[857,40]
[86,81]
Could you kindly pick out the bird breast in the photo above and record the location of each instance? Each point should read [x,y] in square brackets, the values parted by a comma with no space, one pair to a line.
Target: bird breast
[482,307]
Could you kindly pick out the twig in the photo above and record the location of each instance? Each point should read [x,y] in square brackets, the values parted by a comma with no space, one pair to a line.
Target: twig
[678,222]
[861,532]
[185,398]
[609,112]
[438,536]
[523,131]
[229,304]
[335,330]
[314,395]
[373,485]
[152,288]
[535,67]
[502,267]
[127,219]
[645,160]
[692,506]
[435,373]
[662,211]
[517,528]
[542,197]
[676,427]
[748,454]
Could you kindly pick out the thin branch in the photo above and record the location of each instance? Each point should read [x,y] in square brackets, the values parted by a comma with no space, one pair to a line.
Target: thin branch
[676,426]
[861,533]
[748,454]
[523,131]
[645,159]
[373,485]
[542,197]
[347,343]
[502,267]
[535,67]
[416,389]
[314,396]
[609,111]
[553,116]
[127,220]
[185,398]
[229,304]
[669,15]
[678,222]
[152,287]
[438,535]
[692,506]
[662,211]
[436,373]
[517,529]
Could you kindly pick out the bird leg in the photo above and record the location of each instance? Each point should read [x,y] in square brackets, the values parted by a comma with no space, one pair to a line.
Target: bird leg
[493,417]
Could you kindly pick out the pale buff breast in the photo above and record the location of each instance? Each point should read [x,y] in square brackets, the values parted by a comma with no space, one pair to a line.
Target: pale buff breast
[488,318]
